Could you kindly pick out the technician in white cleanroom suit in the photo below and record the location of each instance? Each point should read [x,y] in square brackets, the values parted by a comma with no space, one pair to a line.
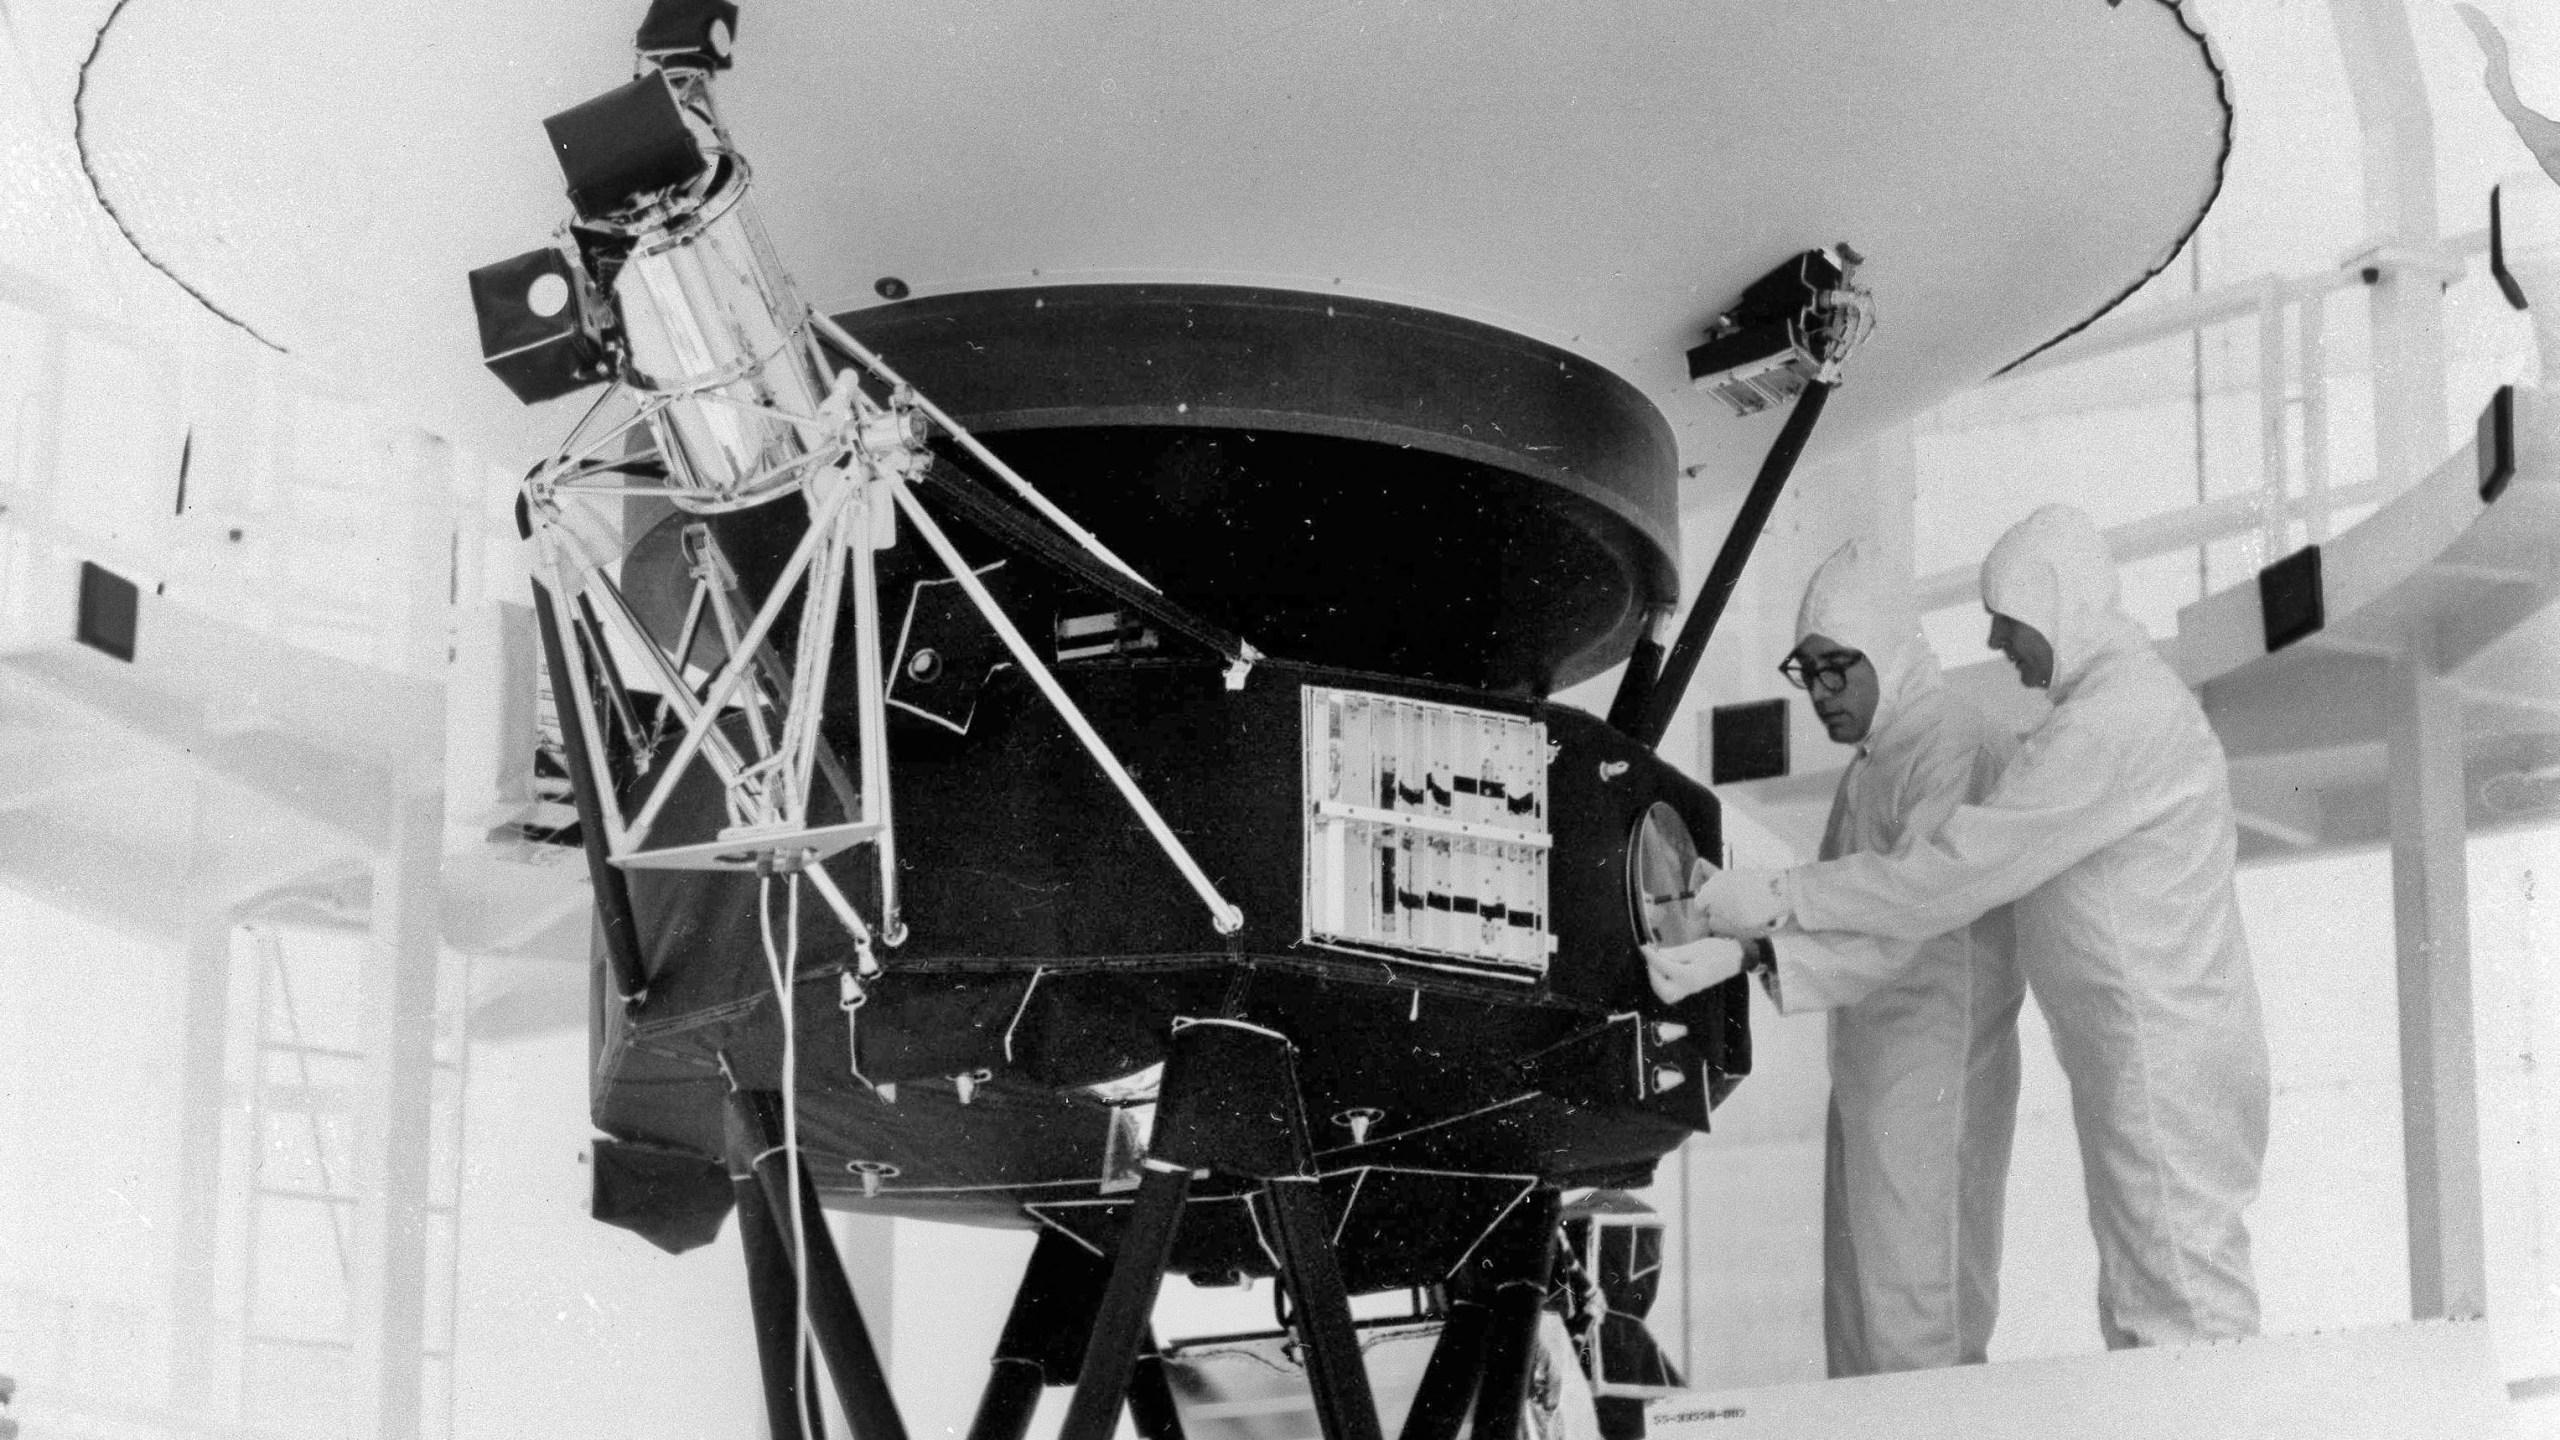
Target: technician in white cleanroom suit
[2115,815]
[1924,1037]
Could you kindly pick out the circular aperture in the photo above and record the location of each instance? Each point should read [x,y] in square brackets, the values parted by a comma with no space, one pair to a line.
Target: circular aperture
[547,296]
[1660,855]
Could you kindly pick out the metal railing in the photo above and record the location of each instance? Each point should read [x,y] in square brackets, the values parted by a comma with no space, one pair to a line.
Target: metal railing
[2268,511]
[239,484]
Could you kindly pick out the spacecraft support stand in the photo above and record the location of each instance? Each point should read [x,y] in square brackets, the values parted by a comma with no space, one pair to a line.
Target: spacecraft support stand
[1489,1336]
[835,1318]
[1457,1364]
[1230,1104]
[790,1391]
[1044,1333]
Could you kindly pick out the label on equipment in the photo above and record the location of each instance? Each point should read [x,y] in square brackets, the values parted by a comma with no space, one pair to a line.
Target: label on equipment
[1426,832]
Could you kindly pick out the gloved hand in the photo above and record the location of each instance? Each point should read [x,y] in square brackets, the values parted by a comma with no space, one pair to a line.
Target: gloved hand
[1741,902]
[1680,971]
[1672,918]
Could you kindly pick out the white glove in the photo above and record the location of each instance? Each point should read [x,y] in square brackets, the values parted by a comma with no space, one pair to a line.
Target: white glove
[1674,919]
[1741,902]
[1680,971]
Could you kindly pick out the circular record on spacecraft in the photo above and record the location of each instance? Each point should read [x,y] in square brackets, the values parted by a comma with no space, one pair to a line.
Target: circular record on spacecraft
[1660,855]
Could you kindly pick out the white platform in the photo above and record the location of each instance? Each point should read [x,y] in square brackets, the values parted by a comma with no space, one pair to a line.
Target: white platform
[2436,1379]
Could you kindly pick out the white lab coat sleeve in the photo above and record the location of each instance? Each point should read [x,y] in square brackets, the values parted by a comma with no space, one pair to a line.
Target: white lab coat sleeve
[1823,970]
[1833,968]
[2066,795]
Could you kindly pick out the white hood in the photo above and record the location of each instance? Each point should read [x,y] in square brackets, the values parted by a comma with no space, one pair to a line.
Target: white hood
[1854,601]
[2053,571]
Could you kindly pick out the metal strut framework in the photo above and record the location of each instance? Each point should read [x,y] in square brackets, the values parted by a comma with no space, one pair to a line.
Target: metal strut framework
[755,720]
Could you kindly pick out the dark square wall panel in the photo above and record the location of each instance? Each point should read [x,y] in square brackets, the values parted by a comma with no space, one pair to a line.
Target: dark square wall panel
[110,611]
[1749,741]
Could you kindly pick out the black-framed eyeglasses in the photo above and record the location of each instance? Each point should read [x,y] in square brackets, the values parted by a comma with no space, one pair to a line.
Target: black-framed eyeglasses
[1823,677]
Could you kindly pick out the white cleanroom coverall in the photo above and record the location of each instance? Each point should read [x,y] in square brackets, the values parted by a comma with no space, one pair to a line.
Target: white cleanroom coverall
[2115,816]
[1924,1036]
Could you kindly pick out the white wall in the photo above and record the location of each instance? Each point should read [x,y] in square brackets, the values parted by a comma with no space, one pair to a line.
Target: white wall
[87,1203]
[568,1327]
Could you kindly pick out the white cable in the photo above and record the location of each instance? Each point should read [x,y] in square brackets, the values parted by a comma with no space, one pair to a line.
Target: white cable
[780,968]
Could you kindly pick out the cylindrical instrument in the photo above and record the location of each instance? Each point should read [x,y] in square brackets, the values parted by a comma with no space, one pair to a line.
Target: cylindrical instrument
[711,319]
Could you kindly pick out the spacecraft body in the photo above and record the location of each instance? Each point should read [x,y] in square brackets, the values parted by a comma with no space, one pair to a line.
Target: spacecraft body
[1435,523]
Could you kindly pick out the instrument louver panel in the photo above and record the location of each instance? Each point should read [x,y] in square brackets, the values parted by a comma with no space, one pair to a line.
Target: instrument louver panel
[1426,832]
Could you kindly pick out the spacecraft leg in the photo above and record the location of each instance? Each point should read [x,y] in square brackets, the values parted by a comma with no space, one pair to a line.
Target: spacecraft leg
[1120,1324]
[1151,1406]
[1011,1396]
[1344,1407]
[790,1392]
[862,1386]
[1229,1103]
[1514,1266]
[1045,1334]
[1449,1381]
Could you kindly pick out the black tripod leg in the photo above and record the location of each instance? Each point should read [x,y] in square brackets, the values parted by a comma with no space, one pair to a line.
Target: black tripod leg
[1011,1397]
[771,1294]
[861,1384]
[1151,1406]
[1044,1335]
[1229,1102]
[1511,1342]
[1344,1407]
[1128,1303]
[1449,1381]
[1522,1252]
